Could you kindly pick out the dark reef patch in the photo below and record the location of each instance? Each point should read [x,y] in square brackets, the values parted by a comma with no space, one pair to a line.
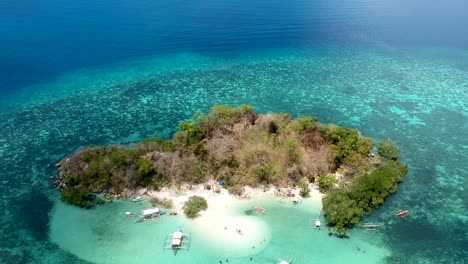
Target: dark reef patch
[33,211]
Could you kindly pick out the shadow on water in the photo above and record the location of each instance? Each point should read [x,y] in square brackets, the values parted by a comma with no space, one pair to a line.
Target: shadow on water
[33,213]
[249,212]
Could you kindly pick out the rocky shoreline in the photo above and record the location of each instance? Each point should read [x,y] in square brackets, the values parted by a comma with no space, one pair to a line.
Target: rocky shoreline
[58,180]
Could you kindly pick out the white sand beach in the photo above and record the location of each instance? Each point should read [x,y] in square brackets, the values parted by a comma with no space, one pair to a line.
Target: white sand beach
[221,202]
[221,225]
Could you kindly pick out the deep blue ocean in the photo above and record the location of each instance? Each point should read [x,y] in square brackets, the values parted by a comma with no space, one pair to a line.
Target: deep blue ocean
[42,39]
[74,73]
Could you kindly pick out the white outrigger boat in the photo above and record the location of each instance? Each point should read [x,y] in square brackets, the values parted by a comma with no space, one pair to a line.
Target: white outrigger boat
[177,240]
[317,223]
[149,216]
[295,200]
[259,210]
[370,226]
[280,261]
[138,199]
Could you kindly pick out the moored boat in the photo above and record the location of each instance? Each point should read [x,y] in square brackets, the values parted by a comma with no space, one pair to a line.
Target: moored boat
[138,199]
[177,241]
[401,213]
[177,238]
[259,210]
[149,216]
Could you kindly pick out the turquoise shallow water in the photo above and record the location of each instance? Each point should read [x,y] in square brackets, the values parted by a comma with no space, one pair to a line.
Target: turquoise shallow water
[286,232]
[417,98]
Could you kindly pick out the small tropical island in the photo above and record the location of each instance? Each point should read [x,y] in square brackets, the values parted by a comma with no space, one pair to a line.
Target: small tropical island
[243,149]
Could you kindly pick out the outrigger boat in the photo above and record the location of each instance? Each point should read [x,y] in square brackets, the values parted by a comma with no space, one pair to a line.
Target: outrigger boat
[259,210]
[149,216]
[370,226]
[317,223]
[295,200]
[401,213]
[177,240]
[138,199]
[280,261]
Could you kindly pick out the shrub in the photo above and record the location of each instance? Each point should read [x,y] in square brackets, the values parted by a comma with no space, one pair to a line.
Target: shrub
[71,181]
[191,170]
[267,173]
[326,181]
[230,162]
[145,171]
[157,186]
[166,203]
[292,148]
[388,150]
[357,163]
[344,141]
[301,123]
[179,139]
[364,146]
[199,151]
[194,205]
[193,132]
[236,190]
[221,116]
[155,144]
[272,127]
[121,157]
[304,189]
[100,200]
[313,137]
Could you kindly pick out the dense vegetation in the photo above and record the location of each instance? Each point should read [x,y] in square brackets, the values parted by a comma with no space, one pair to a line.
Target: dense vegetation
[79,196]
[345,206]
[241,147]
[195,205]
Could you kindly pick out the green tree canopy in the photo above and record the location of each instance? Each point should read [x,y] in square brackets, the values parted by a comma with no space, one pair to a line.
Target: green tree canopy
[194,205]
[387,149]
[79,196]
[326,181]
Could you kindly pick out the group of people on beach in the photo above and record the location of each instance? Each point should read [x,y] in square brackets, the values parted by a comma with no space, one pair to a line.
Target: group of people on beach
[238,231]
